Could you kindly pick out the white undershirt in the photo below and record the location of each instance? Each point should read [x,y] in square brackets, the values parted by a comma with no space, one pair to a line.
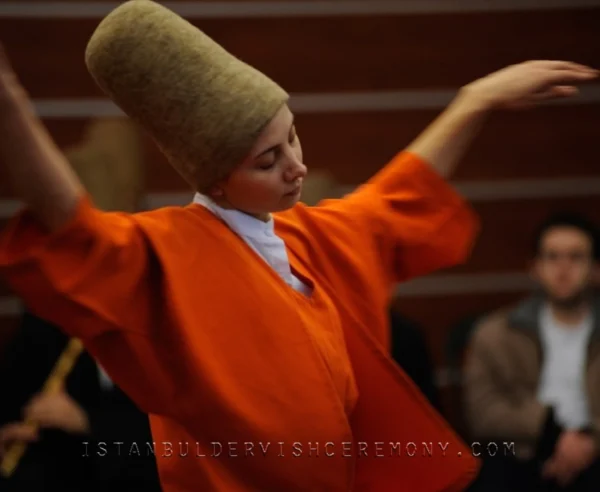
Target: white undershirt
[105,382]
[562,382]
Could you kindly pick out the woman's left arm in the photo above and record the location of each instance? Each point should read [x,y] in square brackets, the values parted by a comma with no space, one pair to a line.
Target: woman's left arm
[429,226]
[520,86]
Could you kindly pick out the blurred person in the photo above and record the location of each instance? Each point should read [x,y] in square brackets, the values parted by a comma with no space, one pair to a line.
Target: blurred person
[533,370]
[247,316]
[73,448]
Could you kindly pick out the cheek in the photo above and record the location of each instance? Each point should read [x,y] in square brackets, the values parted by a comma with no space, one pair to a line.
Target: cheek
[583,274]
[572,275]
[259,187]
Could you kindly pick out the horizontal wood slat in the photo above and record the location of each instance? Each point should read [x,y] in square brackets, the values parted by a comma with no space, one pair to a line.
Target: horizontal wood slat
[331,53]
[549,142]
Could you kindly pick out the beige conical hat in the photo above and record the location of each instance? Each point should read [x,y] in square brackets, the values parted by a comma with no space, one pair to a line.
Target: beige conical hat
[203,107]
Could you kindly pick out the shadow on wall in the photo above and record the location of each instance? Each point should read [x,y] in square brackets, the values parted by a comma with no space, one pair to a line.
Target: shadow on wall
[110,163]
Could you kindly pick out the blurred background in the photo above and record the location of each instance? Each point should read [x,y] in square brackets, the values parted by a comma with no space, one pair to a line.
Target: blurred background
[366,77]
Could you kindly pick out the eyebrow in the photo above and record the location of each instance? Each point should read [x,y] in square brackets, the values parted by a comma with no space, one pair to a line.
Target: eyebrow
[274,146]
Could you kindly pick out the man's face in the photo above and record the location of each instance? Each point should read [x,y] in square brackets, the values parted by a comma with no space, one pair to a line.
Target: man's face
[564,265]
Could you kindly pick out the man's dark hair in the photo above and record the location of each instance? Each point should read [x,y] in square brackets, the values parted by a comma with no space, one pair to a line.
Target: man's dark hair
[569,219]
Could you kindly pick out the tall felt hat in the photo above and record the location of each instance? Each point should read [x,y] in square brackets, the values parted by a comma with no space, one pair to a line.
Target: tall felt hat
[203,107]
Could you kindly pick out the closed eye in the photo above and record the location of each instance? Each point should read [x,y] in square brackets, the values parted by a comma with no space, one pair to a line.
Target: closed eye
[266,167]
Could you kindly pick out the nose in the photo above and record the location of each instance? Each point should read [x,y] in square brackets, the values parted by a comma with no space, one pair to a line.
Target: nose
[295,170]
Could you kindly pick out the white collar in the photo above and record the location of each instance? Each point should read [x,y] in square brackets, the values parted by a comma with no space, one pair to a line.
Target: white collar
[242,223]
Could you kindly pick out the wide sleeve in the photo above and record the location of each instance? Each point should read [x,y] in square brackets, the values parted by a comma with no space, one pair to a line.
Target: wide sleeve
[405,222]
[416,218]
[96,279]
[407,218]
[92,270]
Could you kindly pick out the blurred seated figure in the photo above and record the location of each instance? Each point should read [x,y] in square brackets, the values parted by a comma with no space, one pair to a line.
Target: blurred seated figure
[533,372]
[410,351]
[90,436]
[76,446]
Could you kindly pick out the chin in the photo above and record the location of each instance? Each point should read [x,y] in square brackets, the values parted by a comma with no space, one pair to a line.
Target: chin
[283,207]
[290,201]
[567,301]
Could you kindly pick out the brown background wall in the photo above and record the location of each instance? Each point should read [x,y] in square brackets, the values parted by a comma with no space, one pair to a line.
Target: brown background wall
[364,85]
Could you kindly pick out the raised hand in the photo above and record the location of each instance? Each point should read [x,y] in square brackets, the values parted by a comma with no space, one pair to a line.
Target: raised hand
[524,85]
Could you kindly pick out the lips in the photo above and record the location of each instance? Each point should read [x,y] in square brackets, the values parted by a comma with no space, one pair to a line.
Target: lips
[295,191]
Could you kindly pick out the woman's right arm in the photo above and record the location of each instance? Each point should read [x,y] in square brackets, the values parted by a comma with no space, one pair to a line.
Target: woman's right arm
[91,273]
[36,171]
[62,256]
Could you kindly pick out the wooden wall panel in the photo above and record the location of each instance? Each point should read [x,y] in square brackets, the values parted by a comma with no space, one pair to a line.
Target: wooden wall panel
[321,54]
[508,227]
[551,142]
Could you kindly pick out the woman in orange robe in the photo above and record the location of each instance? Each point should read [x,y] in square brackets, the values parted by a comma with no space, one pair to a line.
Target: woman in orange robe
[259,372]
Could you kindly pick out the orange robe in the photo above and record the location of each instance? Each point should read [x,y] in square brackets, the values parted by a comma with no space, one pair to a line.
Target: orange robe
[266,390]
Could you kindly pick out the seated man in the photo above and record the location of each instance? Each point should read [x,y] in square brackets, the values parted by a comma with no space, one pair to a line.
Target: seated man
[533,371]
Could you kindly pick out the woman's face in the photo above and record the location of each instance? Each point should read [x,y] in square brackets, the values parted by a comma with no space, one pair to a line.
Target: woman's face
[270,178]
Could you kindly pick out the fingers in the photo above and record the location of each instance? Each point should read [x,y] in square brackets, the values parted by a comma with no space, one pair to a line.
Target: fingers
[549,469]
[570,76]
[16,431]
[566,73]
[556,92]
[561,473]
[564,65]
[565,477]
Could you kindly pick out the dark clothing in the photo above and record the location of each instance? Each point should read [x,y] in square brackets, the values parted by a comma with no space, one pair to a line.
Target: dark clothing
[59,461]
[506,473]
[409,350]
